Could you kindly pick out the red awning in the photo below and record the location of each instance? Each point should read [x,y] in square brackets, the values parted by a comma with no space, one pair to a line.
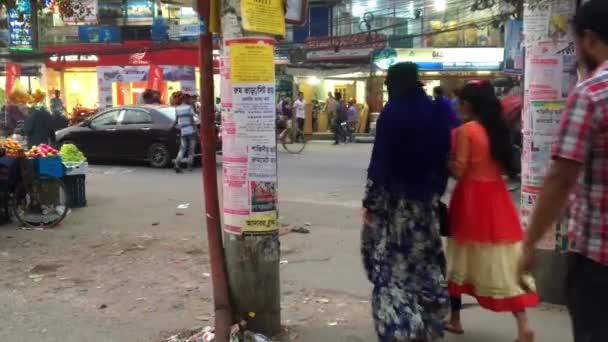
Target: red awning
[128,53]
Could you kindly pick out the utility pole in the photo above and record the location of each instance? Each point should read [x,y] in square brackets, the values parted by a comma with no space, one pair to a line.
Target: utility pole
[249,151]
[221,299]
[544,100]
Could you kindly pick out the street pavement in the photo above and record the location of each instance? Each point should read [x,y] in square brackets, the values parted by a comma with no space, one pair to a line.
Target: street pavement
[133,267]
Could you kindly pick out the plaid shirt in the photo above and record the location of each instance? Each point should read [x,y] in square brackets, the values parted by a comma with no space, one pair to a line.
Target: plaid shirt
[583,137]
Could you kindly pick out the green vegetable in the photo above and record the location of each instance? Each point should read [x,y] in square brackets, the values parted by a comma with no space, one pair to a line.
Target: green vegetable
[71,153]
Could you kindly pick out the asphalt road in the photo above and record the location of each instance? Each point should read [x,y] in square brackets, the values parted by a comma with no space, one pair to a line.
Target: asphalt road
[133,267]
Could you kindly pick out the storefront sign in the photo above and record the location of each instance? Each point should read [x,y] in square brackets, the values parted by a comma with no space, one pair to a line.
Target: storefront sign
[249,136]
[90,18]
[73,61]
[110,10]
[356,46]
[514,47]
[140,11]
[99,34]
[19,21]
[13,72]
[182,33]
[106,75]
[263,16]
[429,59]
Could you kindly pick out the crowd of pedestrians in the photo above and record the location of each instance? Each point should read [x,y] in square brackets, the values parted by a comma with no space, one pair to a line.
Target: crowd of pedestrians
[420,143]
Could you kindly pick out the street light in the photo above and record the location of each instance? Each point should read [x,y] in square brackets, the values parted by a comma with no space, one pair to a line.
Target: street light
[440,5]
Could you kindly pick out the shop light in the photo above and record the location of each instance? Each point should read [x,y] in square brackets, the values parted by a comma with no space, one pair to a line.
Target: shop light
[372,4]
[358,10]
[313,80]
[432,73]
[440,5]
[484,72]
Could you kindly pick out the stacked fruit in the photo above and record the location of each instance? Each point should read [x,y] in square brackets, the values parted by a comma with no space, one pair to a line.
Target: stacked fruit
[12,148]
[42,150]
[71,153]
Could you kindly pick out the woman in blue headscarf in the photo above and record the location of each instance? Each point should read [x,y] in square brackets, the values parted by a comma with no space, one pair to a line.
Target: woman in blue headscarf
[401,245]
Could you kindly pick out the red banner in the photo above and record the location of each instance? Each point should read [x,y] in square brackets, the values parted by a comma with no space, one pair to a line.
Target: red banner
[155,77]
[13,72]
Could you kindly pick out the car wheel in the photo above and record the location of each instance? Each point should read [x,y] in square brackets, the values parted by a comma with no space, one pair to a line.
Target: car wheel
[158,155]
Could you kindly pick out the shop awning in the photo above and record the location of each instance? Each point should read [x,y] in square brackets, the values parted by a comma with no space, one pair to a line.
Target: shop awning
[128,53]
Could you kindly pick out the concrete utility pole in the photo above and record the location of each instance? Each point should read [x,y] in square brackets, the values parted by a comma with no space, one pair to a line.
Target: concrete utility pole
[550,74]
[252,258]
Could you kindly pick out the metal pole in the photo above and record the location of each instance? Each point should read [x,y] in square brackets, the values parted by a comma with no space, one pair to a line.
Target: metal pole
[221,298]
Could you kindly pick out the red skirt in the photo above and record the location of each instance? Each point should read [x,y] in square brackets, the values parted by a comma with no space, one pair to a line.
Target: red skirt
[483,211]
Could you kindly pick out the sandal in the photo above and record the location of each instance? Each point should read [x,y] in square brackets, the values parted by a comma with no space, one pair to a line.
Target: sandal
[452,329]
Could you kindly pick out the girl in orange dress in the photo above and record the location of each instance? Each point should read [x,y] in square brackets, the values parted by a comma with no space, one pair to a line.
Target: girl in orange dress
[485,230]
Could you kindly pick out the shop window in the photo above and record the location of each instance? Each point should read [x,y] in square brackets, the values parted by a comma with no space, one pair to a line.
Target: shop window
[136,117]
[106,119]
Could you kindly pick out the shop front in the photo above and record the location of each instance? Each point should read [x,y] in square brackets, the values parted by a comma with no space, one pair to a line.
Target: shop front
[100,80]
[351,84]
[449,68]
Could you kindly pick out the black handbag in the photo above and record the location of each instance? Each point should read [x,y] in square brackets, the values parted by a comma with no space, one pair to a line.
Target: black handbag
[442,214]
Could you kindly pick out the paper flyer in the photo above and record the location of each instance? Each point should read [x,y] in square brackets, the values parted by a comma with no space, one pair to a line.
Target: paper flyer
[249,133]
[267,16]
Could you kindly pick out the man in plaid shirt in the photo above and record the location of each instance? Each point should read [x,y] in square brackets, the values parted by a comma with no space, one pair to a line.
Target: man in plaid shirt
[580,168]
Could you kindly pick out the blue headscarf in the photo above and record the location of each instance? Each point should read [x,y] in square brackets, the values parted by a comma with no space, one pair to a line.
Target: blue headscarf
[411,148]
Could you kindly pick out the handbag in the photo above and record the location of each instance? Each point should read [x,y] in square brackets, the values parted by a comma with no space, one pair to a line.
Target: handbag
[442,214]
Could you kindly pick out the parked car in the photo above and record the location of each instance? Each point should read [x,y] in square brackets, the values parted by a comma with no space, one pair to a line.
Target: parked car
[137,133]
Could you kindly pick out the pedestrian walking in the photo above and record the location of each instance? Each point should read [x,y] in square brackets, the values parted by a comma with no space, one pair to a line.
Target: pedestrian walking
[579,172]
[186,124]
[485,230]
[330,107]
[339,119]
[351,120]
[401,246]
[57,106]
[444,105]
[299,107]
[38,127]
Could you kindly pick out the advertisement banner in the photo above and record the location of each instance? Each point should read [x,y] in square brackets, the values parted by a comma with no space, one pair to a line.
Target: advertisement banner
[99,34]
[20,30]
[265,16]
[155,77]
[89,18]
[249,136]
[550,74]
[514,47]
[13,72]
[4,30]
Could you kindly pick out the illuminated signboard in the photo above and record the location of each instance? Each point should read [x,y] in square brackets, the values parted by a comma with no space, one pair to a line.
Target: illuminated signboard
[20,27]
[448,59]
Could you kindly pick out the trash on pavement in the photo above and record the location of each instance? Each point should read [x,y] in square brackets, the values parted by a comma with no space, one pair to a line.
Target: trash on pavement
[301,230]
[322,301]
[183,206]
[332,324]
[283,262]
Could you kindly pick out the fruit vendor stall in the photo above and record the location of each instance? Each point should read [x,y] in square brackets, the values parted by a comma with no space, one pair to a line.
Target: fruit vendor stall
[39,186]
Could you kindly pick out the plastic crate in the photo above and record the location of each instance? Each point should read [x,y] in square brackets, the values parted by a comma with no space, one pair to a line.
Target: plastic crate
[49,166]
[75,187]
[74,169]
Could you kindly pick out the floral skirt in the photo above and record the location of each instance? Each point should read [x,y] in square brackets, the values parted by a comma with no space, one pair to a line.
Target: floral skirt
[403,256]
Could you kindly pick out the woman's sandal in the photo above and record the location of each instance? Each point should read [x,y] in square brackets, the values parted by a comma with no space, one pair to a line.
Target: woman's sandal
[452,329]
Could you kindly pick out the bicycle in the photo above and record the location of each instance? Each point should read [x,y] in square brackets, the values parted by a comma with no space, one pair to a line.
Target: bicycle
[292,138]
[38,201]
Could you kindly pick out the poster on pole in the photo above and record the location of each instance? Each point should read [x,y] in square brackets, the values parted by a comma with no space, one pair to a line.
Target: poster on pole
[249,133]
[550,75]
[263,16]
